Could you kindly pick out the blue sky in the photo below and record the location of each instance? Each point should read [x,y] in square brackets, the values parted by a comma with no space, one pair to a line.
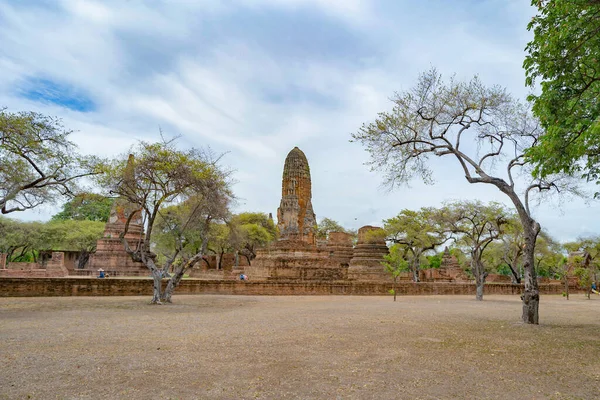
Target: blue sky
[254,78]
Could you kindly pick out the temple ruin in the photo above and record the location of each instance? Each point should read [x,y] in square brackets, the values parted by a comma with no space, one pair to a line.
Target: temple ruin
[368,253]
[110,253]
[296,255]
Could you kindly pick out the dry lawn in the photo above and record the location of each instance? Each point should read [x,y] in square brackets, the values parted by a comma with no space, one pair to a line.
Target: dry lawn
[245,347]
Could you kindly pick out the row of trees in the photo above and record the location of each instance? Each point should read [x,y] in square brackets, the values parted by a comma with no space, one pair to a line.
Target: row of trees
[26,241]
[241,234]
[80,223]
[486,238]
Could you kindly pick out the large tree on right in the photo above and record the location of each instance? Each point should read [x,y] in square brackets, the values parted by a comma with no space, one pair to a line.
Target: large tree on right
[483,129]
[564,58]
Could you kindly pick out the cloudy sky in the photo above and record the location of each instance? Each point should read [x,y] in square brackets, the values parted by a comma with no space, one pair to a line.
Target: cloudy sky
[254,78]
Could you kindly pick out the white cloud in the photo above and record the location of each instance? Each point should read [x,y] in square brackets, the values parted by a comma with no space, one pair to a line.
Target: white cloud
[150,65]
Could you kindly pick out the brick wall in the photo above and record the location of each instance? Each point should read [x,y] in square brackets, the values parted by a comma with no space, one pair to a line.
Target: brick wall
[72,286]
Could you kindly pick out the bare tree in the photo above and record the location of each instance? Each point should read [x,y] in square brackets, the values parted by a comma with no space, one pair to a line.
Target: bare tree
[157,175]
[481,128]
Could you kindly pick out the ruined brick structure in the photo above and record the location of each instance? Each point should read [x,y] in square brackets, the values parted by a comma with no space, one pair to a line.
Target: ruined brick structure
[369,251]
[339,245]
[296,256]
[449,271]
[110,253]
[296,219]
[54,267]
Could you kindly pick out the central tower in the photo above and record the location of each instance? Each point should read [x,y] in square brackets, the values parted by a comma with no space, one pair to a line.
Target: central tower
[296,219]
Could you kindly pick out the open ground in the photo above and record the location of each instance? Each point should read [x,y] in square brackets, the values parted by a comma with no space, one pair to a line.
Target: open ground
[233,347]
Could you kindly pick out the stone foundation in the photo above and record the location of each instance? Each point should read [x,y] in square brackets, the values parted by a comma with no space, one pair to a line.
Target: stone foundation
[339,246]
[295,260]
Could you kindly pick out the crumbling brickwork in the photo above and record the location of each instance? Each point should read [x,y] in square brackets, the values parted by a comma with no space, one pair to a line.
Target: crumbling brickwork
[296,219]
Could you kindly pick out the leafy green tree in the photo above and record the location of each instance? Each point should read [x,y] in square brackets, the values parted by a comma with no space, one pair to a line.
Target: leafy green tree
[85,206]
[563,57]
[513,246]
[585,279]
[418,232]
[251,230]
[20,240]
[587,263]
[224,238]
[562,273]
[395,263]
[326,225]
[548,256]
[477,226]
[71,235]
[483,129]
[37,161]
[174,229]
[434,261]
[158,175]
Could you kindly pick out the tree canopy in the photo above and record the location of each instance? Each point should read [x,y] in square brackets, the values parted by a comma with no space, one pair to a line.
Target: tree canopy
[251,230]
[85,206]
[326,225]
[37,161]
[416,232]
[24,241]
[563,58]
[476,226]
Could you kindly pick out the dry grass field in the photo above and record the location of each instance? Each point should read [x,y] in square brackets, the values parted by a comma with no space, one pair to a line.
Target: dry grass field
[242,347]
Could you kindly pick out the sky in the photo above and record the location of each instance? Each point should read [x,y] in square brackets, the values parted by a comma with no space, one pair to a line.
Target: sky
[254,78]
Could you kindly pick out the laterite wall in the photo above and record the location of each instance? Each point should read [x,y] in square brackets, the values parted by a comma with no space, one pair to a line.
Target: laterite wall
[71,286]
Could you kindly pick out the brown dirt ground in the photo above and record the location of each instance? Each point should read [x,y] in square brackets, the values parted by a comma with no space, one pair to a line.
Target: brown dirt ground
[244,347]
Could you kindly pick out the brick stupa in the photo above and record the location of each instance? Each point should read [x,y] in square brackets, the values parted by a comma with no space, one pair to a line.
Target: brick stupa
[296,219]
[110,253]
[368,254]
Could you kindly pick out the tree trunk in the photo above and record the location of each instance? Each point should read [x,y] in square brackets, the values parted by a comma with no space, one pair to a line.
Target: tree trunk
[515,278]
[479,272]
[157,286]
[395,291]
[220,260]
[179,272]
[9,255]
[531,294]
[83,259]
[171,285]
[567,286]
[415,268]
